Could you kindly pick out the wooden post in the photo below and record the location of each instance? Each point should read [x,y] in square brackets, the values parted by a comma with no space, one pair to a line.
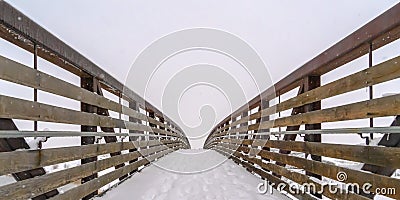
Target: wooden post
[263,105]
[226,124]
[162,128]
[244,114]
[133,105]
[279,113]
[120,113]
[108,139]
[291,137]
[152,115]
[295,111]
[370,89]
[88,83]
[233,119]
[172,131]
[35,93]
[167,126]
[310,83]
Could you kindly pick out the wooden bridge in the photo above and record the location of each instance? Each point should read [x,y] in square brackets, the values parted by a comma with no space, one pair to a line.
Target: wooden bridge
[245,136]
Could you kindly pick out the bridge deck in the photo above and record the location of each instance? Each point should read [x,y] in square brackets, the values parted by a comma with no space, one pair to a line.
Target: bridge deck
[225,181]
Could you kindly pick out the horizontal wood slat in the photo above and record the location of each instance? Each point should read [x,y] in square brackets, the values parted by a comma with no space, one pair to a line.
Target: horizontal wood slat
[15,108]
[380,107]
[17,161]
[353,46]
[375,155]
[257,156]
[35,186]
[95,184]
[271,178]
[327,170]
[295,176]
[380,73]
[20,74]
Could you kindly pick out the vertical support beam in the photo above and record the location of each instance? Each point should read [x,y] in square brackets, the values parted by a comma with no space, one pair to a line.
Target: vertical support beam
[162,121]
[370,96]
[233,119]
[292,137]
[312,82]
[263,105]
[88,83]
[244,114]
[35,93]
[168,126]
[108,139]
[371,91]
[152,115]
[120,114]
[279,113]
[295,111]
[237,134]
[133,105]
[227,128]
[217,131]
[173,127]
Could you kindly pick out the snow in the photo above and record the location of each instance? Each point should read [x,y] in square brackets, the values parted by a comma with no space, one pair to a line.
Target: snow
[36,142]
[187,161]
[6,179]
[225,180]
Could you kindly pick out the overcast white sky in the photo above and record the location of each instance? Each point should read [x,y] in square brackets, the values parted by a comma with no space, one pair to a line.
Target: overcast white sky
[284,33]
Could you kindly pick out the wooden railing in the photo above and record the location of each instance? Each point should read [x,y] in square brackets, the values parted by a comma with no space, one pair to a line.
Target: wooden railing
[246,136]
[18,161]
[146,136]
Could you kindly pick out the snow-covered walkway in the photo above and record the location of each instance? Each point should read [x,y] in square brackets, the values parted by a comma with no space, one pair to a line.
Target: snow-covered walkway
[225,181]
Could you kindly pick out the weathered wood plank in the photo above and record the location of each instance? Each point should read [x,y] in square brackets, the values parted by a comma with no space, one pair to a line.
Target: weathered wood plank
[109,139]
[380,73]
[271,178]
[26,32]
[298,177]
[38,185]
[380,107]
[89,84]
[31,159]
[94,185]
[11,107]
[20,74]
[337,55]
[331,171]
[12,144]
[376,155]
